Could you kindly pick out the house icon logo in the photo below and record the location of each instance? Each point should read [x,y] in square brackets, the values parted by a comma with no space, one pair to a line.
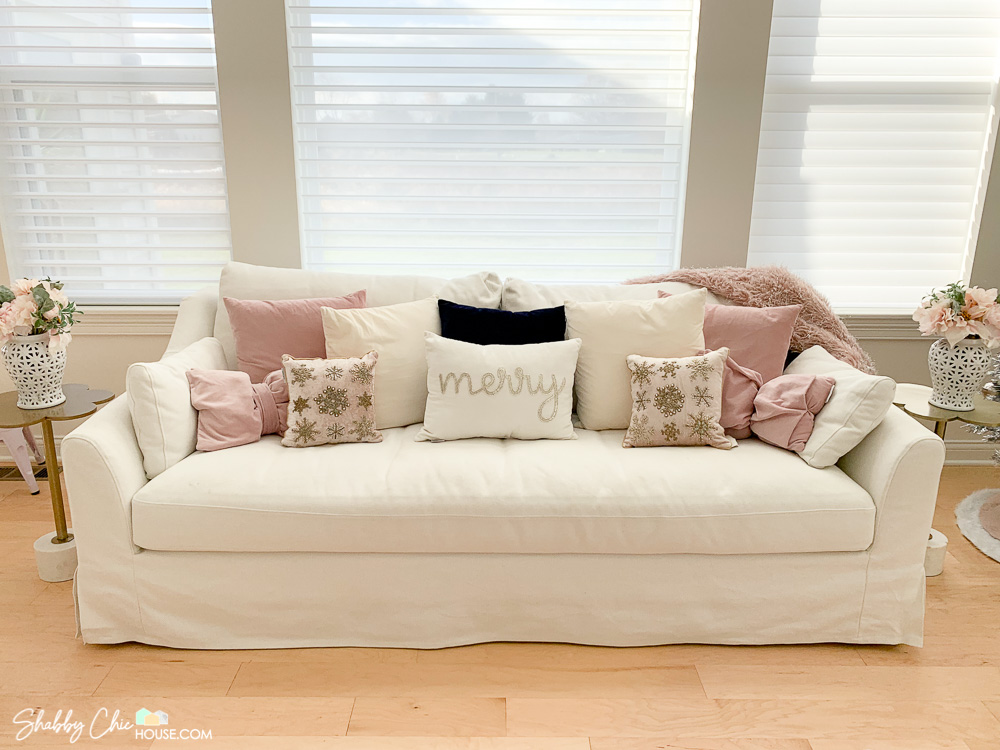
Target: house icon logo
[146,718]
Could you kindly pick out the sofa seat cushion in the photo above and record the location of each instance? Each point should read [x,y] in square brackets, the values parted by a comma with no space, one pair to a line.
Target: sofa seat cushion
[504,496]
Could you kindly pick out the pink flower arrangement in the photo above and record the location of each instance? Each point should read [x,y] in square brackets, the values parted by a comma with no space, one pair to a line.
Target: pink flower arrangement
[29,307]
[957,313]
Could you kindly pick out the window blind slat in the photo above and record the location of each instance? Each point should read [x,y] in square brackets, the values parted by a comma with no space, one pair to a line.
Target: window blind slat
[449,137]
[109,126]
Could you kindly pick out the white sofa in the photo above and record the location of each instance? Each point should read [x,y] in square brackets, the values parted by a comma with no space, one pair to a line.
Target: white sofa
[427,545]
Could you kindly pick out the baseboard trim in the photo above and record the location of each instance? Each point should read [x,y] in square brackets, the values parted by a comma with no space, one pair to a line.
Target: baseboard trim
[126,320]
[969,452]
[882,327]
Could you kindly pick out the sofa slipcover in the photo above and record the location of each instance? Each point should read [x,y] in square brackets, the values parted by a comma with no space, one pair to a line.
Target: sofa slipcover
[492,496]
[232,599]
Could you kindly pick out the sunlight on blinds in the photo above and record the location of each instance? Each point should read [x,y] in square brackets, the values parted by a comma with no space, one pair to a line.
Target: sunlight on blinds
[876,123]
[539,139]
[112,149]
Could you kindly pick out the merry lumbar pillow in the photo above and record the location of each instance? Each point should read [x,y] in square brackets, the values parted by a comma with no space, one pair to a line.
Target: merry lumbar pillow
[611,331]
[498,391]
[330,401]
[677,401]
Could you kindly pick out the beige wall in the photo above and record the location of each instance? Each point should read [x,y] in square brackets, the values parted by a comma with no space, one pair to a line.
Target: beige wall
[725,127]
[255,106]
[256,110]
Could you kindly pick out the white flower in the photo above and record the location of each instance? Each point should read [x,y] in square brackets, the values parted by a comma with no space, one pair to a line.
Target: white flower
[59,341]
[23,286]
[59,297]
[24,309]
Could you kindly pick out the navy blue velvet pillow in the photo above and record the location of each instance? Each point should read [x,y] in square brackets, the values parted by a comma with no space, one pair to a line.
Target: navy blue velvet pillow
[482,325]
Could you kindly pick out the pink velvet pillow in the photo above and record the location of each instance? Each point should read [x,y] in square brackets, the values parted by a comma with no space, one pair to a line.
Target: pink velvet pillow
[265,329]
[757,337]
[232,411]
[739,389]
[786,407]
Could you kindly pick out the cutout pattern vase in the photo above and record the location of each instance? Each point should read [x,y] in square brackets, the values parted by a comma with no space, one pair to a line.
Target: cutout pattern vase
[36,371]
[957,372]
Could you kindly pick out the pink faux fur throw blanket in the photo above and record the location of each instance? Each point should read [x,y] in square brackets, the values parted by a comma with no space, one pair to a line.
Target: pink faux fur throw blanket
[774,286]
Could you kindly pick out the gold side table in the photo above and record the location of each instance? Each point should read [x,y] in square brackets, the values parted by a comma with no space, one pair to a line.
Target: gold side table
[55,553]
[913,400]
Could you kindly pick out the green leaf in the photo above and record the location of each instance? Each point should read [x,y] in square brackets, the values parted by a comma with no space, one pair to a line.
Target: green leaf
[6,295]
[42,299]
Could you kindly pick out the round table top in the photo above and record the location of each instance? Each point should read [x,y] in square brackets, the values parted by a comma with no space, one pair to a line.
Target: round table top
[913,400]
[80,402]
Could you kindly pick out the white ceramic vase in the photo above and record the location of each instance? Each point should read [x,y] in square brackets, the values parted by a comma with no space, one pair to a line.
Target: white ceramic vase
[957,372]
[36,371]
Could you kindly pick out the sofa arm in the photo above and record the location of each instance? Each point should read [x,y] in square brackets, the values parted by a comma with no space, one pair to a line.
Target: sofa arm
[195,319]
[103,467]
[103,470]
[899,464]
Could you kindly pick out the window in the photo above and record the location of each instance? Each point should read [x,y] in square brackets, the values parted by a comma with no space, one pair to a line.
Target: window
[876,128]
[113,176]
[540,138]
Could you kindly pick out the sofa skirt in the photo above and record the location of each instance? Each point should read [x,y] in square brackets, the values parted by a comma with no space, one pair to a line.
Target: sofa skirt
[233,600]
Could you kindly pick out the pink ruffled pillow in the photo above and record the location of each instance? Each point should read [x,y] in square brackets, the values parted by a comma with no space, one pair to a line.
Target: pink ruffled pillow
[757,337]
[232,411]
[786,407]
[265,329]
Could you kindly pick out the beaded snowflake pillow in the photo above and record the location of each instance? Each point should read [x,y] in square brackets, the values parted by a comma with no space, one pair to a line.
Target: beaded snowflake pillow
[330,400]
[677,401]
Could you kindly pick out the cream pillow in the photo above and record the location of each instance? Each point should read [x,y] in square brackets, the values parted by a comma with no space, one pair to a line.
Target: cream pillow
[520,295]
[396,332]
[610,331]
[495,391]
[247,281]
[857,406]
[159,400]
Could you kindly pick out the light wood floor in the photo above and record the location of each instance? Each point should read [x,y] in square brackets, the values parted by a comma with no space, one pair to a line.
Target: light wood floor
[945,696]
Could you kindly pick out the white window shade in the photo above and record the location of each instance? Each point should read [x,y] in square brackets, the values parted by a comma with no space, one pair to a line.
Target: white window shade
[877,118]
[111,146]
[540,139]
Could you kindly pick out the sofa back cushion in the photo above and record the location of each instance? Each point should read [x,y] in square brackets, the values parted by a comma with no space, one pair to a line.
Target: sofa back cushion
[159,400]
[520,295]
[245,281]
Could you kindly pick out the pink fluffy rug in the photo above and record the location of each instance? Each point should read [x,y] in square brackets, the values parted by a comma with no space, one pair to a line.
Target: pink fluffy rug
[978,518]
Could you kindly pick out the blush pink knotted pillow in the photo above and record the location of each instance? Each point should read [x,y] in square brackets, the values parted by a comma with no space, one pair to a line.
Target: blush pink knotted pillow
[786,407]
[265,329]
[739,390]
[232,411]
[757,337]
